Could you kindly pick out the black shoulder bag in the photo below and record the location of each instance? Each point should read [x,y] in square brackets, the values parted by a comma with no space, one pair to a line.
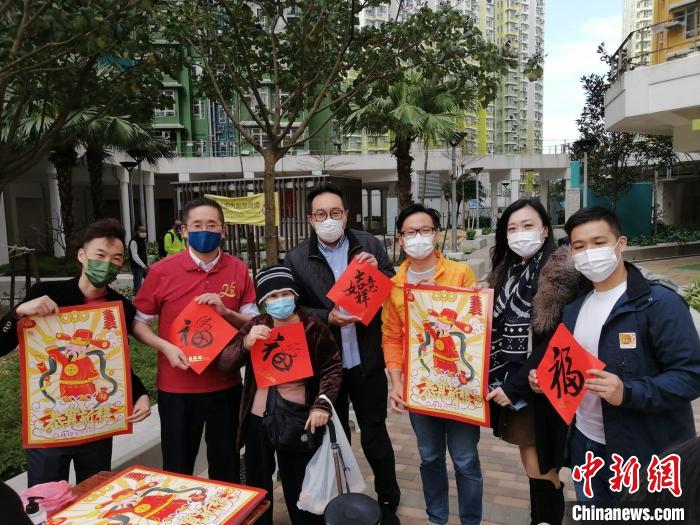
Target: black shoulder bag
[283,423]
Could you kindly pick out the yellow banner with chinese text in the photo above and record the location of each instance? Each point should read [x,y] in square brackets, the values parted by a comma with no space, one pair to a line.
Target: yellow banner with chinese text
[246,210]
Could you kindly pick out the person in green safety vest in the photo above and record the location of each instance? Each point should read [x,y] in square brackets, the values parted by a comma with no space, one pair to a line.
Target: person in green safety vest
[173,241]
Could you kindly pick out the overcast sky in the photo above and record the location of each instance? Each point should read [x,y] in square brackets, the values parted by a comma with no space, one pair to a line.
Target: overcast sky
[573,30]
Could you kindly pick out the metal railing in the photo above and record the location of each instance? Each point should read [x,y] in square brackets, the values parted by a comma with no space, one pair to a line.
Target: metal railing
[649,45]
[248,242]
[315,148]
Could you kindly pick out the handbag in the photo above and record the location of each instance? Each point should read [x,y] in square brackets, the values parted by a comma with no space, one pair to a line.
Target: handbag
[283,423]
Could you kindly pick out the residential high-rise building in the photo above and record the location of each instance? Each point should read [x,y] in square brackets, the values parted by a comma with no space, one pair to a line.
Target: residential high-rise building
[512,123]
[637,14]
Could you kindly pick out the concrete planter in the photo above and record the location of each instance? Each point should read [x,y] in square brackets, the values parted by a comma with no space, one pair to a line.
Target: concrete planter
[475,244]
[662,251]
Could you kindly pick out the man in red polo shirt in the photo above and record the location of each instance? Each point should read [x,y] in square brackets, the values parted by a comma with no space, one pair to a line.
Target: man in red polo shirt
[189,402]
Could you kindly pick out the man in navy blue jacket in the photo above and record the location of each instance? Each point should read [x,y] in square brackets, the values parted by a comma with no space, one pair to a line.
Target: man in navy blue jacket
[639,405]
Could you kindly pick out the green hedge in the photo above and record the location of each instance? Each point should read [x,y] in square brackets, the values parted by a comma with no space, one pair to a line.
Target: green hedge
[12,458]
[666,233]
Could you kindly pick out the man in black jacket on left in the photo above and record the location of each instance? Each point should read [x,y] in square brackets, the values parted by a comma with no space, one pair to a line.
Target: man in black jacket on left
[101,256]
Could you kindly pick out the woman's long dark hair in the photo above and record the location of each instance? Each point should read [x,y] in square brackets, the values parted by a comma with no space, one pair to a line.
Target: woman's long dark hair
[501,254]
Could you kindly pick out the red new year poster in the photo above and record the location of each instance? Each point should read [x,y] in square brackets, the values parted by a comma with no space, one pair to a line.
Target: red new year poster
[76,379]
[448,342]
[145,496]
[201,333]
[282,358]
[361,290]
[562,372]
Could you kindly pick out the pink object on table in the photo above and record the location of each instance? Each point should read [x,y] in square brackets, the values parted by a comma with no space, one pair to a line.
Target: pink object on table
[55,494]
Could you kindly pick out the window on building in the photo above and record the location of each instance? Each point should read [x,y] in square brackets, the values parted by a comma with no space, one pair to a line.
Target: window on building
[198,148]
[167,135]
[692,22]
[259,136]
[221,115]
[196,71]
[168,111]
[198,109]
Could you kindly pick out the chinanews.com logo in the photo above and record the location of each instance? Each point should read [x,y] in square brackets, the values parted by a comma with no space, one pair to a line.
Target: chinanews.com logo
[590,513]
[654,499]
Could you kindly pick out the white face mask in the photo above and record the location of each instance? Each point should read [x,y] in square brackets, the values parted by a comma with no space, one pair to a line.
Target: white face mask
[419,247]
[597,264]
[329,230]
[525,244]
[143,235]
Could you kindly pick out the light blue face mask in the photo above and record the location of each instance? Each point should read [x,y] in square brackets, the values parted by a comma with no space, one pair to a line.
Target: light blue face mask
[280,308]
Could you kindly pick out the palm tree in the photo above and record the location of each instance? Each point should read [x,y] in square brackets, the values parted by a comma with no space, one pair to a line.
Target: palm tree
[111,133]
[64,158]
[412,108]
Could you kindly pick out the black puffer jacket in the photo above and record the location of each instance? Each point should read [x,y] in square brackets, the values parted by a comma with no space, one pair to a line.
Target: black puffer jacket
[558,283]
[315,278]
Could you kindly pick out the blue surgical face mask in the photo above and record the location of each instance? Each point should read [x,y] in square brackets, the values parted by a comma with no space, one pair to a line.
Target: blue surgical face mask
[280,308]
[204,241]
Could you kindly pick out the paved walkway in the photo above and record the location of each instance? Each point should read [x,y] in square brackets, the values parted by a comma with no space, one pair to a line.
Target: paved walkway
[506,490]
[681,270]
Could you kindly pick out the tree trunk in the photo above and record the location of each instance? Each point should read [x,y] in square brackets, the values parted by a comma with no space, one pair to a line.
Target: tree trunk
[401,149]
[64,159]
[95,166]
[271,241]
[425,171]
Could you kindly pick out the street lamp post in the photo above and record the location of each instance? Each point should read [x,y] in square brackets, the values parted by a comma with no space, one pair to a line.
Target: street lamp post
[129,166]
[139,155]
[454,142]
[476,171]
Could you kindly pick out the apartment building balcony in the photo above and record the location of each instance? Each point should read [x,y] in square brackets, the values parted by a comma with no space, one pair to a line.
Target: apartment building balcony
[658,91]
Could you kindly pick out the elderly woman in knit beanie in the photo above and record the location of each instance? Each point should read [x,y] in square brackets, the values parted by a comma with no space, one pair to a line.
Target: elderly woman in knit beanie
[285,420]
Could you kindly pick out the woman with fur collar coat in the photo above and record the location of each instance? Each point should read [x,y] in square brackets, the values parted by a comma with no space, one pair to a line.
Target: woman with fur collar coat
[532,281]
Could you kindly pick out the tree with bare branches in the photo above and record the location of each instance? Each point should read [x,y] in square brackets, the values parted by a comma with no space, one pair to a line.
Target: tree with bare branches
[291,66]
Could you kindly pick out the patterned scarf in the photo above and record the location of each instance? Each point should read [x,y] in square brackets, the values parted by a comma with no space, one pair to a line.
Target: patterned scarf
[511,316]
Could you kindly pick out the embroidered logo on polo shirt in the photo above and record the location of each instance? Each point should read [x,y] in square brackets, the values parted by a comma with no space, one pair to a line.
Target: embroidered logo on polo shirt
[228,289]
[628,339]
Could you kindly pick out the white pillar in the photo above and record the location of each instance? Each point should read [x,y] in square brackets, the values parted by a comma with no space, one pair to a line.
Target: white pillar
[181,177]
[544,190]
[149,182]
[514,185]
[123,177]
[59,239]
[4,252]
[494,200]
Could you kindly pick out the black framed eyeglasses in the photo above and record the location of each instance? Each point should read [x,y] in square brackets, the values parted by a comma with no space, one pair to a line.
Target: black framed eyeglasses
[322,215]
[425,231]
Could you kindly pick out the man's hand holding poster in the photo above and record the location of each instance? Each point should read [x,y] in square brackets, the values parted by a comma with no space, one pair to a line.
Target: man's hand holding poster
[281,358]
[448,339]
[76,380]
[562,372]
[201,334]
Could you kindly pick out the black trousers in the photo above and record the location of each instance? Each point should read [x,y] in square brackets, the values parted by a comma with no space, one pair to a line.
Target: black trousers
[260,466]
[183,417]
[369,399]
[53,464]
